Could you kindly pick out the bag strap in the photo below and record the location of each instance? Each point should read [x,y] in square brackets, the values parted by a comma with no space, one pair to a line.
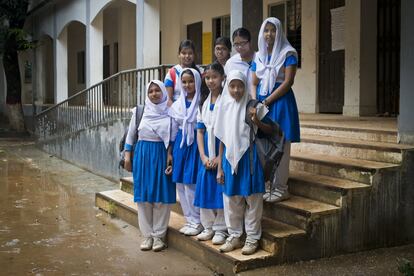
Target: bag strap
[138,116]
[248,120]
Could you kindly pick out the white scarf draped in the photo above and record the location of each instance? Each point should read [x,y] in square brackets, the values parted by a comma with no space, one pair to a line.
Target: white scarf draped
[155,116]
[230,127]
[236,63]
[268,70]
[187,118]
[209,118]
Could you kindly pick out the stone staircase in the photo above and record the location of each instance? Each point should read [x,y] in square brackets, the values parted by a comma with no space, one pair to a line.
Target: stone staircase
[345,184]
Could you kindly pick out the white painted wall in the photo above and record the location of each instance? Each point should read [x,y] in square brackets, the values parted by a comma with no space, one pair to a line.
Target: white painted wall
[68,11]
[126,34]
[177,14]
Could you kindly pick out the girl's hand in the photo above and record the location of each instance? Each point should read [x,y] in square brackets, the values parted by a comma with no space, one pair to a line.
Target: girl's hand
[168,170]
[220,176]
[205,161]
[214,163]
[253,114]
[128,164]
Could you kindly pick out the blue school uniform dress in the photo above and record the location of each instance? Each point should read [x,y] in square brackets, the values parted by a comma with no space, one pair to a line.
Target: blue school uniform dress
[209,194]
[151,184]
[284,111]
[185,159]
[242,182]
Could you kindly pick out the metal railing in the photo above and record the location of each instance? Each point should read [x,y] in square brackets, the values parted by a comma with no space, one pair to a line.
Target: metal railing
[103,102]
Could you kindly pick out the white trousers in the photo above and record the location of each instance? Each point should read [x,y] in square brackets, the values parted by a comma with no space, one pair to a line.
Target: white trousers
[153,219]
[213,219]
[237,208]
[282,173]
[186,194]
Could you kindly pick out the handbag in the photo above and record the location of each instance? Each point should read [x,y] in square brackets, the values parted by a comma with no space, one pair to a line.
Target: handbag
[138,116]
[269,146]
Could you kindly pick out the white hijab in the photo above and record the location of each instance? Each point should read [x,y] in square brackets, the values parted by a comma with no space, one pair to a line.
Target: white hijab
[266,70]
[155,116]
[236,63]
[230,127]
[209,118]
[187,118]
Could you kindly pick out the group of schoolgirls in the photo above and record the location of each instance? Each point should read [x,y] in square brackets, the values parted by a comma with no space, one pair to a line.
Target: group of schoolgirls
[198,144]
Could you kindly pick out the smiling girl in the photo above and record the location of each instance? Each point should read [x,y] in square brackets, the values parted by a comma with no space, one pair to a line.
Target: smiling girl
[153,189]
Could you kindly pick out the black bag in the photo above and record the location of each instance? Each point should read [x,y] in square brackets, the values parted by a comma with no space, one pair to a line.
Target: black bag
[269,147]
[138,116]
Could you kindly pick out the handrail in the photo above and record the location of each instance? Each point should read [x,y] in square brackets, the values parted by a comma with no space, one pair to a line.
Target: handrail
[107,100]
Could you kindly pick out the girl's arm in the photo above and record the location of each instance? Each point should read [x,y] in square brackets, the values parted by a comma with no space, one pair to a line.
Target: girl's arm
[168,169]
[255,82]
[129,142]
[279,92]
[170,91]
[200,144]
[266,128]
[220,172]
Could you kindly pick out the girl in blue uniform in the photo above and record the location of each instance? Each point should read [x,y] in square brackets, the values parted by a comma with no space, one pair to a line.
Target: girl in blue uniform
[186,57]
[185,151]
[242,177]
[274,72]
[209,195]
[154,191]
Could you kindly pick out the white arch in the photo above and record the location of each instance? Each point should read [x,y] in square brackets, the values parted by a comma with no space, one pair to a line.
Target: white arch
[68,12]
[99,6]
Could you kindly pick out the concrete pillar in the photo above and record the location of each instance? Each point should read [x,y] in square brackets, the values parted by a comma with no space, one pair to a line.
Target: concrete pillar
[61,66]
[94,50]
[151,33]
[360,58]
[236,15]
[405,119]
[140,34]
[39,74]
[305,87]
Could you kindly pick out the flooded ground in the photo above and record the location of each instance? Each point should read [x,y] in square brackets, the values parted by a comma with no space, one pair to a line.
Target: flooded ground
[49,225]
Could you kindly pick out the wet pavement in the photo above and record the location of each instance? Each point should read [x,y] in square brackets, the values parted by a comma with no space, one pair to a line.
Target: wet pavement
[49,225]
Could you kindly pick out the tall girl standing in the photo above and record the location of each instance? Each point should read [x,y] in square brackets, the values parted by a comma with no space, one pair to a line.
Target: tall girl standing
[209,195]
[186,57]
[274,72]
[185,151]
[241,61]
[153,189]
[242,176]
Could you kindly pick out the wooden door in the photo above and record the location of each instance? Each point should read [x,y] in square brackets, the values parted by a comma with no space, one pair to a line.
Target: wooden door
[331,63]
[388,57]
[195,33]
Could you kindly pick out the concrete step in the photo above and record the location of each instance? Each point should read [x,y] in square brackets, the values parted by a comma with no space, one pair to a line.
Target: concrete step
[323,188]
[352,148]
[298,211]
[126,184]
[276,238]
[335,129]
[336,166]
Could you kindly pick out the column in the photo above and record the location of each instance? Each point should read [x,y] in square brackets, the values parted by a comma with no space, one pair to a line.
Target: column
[236,15]
[360,58]
[405,119]
[61,66]
[94,51]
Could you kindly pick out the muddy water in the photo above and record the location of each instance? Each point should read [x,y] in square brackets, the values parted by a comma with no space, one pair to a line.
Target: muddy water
[49,225]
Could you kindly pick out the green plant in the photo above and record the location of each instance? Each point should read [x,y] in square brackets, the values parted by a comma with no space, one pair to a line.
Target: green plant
[405,267]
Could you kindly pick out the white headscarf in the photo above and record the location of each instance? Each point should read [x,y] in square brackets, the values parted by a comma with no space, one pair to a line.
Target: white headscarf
[266,70]
[209,118]
[236,63]
[231,128]
[187,117]
[155,116]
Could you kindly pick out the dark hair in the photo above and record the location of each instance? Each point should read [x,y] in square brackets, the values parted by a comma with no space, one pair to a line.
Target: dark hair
[216,66]
[243,32]
[223,40]
[188,44]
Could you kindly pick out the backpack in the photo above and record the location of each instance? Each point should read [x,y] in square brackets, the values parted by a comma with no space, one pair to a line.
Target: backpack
[138,116]
[269,147]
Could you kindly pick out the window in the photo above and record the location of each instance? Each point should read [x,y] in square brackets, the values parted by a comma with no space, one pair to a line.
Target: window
[81,67]
[289,13]
[221,26]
